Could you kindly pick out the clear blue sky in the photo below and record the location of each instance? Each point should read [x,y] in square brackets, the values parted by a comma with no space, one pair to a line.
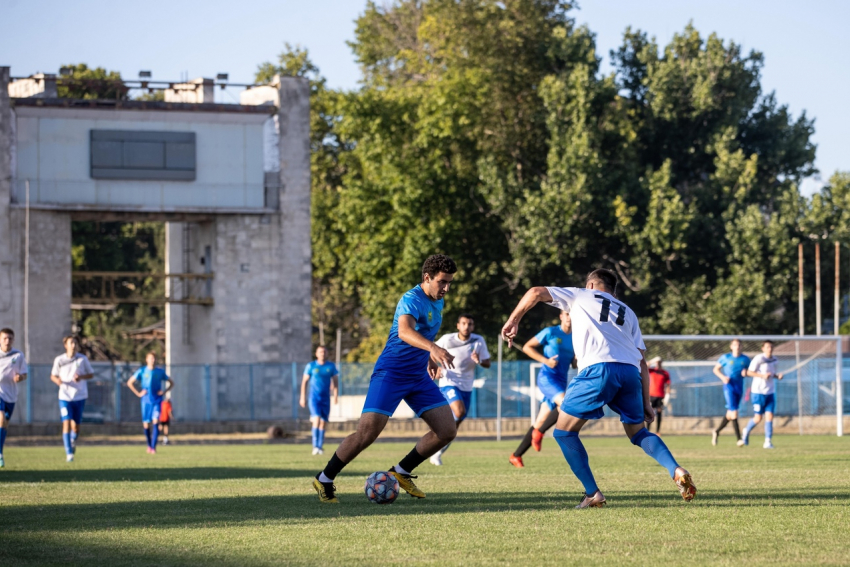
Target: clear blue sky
[806,44]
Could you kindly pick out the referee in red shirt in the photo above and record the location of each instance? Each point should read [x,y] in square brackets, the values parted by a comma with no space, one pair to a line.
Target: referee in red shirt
[659,384]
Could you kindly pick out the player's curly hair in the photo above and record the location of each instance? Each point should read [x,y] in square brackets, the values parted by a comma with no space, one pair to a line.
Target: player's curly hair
[438,263]
[606,277]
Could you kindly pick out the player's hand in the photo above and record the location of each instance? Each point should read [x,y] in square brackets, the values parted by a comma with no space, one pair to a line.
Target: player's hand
[302,402]
[725,380]
[648,413]
[160,393]
[780,376]
[433,371]
[17,378]
[475,358]
[551,362]
[142,393]
[442,357]
[76,377]
[509,331]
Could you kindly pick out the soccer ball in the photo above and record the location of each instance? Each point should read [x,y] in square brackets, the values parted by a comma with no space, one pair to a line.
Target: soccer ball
[381,488]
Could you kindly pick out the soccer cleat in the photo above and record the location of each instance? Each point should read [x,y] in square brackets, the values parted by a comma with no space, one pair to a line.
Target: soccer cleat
[537,440]
[321,451]
[315,450]
[406,482]
[516,461]
[326,491]
[69,458]
[2,462]
[153,451]
[741,443]
[714,436]
[165,440]
[685,484]
[436,460]
[597,500]
[768,444]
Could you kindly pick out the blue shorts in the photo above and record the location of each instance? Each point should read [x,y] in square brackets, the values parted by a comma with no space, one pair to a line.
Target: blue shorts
[387,390]
[764,403]
[615,384]
[733,393]
[551,387]
[72,410]
[320,407]
[7,408]
[453,394]
[150,410]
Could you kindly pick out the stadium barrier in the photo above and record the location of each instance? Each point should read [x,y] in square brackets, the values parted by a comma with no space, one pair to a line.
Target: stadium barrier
[263,392]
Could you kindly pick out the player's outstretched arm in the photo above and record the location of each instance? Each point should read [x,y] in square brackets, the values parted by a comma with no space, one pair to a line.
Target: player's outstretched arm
[531,298]
[530,350]
[407,333]
[718,371]
[335,389]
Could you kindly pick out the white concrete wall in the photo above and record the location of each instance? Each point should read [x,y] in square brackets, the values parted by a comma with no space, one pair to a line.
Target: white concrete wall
[53,153]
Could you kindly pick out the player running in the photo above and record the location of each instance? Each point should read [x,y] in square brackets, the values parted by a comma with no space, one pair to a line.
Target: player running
[324,382]
[612,371]
[71,372]
[469,350]
[13,369]
[762,370]
[155,383]
[557,357]
[404,371]
[730,368]
[659,388]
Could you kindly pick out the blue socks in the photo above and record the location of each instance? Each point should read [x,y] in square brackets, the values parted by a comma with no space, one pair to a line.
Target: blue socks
[154,435]
[315,431]
[320,438]
[653,446]
[148,435]
[573,450]
[2,439]
[768,430]
[74,436]
[66,439]
[749,428]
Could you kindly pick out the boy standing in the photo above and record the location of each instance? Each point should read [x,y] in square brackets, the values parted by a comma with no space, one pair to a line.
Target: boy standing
[71,372]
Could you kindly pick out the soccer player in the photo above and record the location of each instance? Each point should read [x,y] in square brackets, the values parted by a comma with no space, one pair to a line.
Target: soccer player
[405,371]
[166,413]
[762,370]
[324,382]
[71,372]
[730,368]
[659,387]
[612,371]
[13,369]
[469,350]
[155,383]
[557,357]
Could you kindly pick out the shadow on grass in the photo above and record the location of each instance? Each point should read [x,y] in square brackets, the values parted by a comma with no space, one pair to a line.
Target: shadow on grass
[151,474]
[302,508]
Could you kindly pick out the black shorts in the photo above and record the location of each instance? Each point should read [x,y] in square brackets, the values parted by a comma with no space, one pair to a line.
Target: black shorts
[164,422]
[656,403]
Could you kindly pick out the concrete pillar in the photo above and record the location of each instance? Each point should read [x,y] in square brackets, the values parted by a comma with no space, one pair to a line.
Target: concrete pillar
[9,307]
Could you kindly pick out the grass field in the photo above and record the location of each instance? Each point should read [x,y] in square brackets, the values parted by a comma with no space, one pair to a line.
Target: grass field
[253,505]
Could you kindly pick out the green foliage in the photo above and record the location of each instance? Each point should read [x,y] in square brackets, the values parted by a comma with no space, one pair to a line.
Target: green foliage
[86,83]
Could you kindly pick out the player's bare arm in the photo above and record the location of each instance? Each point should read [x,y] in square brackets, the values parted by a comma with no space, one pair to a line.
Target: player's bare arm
[530,350]
[131,383]
[20,377]
[303,401]
[81,377]
[335,389]
[168,385]
[531,298]
[477,360]
[56,379]
[718,371]
[407,333]
[648,410]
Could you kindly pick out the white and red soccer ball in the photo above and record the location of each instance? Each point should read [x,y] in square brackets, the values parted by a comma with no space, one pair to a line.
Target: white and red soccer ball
[381,488]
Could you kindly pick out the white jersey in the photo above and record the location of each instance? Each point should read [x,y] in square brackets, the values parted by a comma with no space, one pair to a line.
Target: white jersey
[761,363]
[463,374]
[604,328]
[66,368]
[11,363]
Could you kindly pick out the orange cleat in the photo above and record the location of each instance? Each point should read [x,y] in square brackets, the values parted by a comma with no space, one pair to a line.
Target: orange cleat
[685,484]
[536,440]
[516,461]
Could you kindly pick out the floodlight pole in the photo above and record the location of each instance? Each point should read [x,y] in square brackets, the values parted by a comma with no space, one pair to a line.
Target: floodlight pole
[499,392]
[801,333]
[839,395]
[819,323]
[835,324]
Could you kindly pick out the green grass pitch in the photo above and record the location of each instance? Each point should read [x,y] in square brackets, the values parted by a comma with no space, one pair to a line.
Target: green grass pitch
[253,505]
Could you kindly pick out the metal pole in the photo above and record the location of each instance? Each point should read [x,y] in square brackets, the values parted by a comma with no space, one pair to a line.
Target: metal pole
[339,367]
[499,393]
[839,394]
[27,353]
[207,393]
[251,388]
[817,290]
[116,374]
[533,392]
[800,289]
[799,388]
[294,390]
[835,324]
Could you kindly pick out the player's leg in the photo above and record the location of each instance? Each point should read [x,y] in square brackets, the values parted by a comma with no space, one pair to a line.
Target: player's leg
[6,410]
[65,414]
[76,419]
[540,428]
[758,411]
[769,407]
[547,408]
[458,402]
[321,425]
[728,395]
[314,428]
[732,412]
[659,411]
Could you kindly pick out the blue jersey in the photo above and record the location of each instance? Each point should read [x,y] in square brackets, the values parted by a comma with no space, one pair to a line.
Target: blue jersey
[556,342]
[733,365]
[152,381]
[400,358]
[320,378]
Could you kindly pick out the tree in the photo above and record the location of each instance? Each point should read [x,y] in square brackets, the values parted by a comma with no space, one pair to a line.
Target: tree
[86,83]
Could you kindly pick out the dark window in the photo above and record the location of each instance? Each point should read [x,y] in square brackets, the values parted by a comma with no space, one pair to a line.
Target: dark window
[128,154]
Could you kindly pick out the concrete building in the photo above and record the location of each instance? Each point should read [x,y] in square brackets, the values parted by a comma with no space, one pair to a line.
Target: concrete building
[231,181]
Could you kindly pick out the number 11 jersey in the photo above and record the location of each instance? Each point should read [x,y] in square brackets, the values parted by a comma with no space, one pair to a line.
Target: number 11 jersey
[604,328]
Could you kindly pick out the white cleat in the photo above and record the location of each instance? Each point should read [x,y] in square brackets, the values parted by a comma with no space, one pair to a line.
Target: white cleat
[436,460]
[714,436]
[315,450]
[320,451]
[69,458]
[741,443]
[768,445]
